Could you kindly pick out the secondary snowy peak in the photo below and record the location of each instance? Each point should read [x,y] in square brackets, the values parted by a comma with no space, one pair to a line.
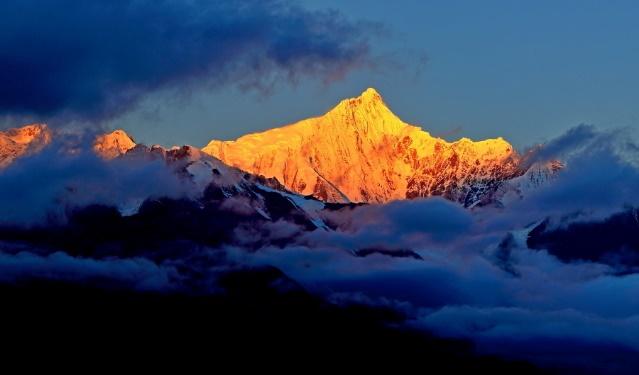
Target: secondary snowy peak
[231,187]
[16,142]
[30,139]
[114,144]
[360,151]
[29,134]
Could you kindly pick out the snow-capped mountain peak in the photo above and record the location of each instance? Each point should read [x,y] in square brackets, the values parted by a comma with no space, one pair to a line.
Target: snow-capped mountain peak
[360,151]
[114,144]
[17,142]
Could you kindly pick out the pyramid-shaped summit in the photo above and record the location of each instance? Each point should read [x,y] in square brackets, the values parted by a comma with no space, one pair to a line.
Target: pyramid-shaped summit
[369,98]
[360,151]
[368,113]
[114,144]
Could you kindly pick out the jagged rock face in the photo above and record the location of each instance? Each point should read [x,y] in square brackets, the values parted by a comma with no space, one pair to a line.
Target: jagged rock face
[264,197]
[203,169]
[361,152]
[114,144]
[17,142]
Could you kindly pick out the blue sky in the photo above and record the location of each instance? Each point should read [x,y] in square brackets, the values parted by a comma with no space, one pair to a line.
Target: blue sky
[523,70]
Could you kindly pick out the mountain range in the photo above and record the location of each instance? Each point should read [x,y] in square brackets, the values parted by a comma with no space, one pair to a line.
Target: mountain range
[358,152]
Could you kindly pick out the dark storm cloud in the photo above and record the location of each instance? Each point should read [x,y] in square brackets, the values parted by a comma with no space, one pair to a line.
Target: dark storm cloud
[96,58]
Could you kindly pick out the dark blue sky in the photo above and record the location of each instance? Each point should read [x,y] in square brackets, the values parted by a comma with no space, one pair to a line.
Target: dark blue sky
[522,70]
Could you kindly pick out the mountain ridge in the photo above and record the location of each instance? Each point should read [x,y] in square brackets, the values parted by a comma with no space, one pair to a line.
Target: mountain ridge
[360,151]
[357,152]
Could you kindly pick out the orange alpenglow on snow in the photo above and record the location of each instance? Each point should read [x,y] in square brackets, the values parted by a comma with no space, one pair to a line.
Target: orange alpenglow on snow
[114,144]
[360,151]
[17,142]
